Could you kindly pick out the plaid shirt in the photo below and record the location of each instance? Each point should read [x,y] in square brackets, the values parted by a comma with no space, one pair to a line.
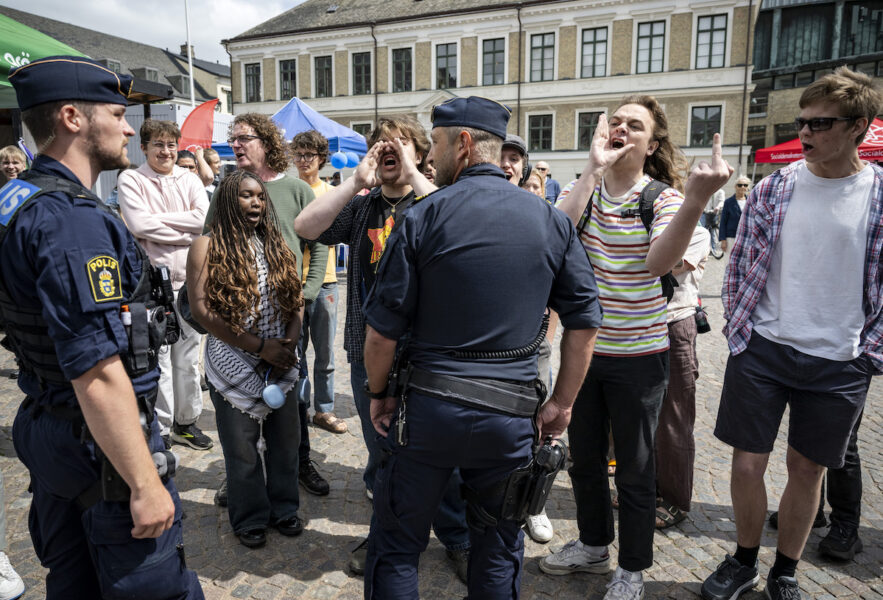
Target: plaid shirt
[749,265]
[350,227]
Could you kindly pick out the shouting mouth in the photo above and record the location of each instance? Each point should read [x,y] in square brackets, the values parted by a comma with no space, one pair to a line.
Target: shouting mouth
[617,143]
[389,161]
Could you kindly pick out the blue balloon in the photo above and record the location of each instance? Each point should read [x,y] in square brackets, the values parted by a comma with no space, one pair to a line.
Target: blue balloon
[338,160]
[352,159]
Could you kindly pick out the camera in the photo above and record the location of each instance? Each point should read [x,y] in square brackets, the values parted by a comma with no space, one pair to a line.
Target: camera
[702,325]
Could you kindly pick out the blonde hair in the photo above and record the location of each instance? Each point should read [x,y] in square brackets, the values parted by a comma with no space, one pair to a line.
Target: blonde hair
[855,94]
[13,152]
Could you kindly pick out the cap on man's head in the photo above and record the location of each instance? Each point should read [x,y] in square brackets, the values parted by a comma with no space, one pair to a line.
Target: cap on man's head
[474,111]
[68,78]
[517,142]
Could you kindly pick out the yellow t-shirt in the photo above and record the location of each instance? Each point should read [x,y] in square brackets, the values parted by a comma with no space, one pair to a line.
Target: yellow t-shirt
[331,269]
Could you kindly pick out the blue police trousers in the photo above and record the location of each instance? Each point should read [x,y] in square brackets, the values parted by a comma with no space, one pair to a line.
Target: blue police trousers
[412,479]
[92,554]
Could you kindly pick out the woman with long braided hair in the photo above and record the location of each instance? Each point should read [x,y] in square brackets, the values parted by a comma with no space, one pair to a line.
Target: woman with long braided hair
[243,287]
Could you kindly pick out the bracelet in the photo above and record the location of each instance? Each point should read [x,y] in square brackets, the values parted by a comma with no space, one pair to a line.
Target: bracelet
[261,347]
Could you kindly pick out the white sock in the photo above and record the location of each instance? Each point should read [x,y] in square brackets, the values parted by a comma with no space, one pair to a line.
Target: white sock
[595,551]
[631,576]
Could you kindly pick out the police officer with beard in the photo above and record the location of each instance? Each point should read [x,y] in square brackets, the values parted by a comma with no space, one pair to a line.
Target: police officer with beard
[469,271]
[80,313]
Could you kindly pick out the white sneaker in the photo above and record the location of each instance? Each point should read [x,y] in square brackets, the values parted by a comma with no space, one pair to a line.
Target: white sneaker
[539,528]
[575,557]
[370,494]
[625,585]
[11,585]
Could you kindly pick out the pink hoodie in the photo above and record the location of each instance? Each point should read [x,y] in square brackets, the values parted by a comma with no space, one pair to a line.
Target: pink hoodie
[165,213]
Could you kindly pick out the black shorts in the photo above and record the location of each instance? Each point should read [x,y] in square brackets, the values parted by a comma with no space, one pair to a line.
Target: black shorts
[826,398]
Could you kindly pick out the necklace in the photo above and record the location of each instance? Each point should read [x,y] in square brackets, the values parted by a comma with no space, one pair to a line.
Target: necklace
[391,203]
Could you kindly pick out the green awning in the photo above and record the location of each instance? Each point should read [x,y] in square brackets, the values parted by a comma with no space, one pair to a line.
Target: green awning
[19,45]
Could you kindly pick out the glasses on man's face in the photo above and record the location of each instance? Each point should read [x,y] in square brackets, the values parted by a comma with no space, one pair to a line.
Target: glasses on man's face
[308,156]
[819,123]
[242,139]
[170,146]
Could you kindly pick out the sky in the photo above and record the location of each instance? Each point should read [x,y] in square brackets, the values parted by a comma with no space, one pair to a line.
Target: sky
[162,24]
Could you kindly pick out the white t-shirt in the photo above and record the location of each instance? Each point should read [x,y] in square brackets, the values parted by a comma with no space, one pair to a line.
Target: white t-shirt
[716,201]
[813,296]
[741,203]
[686,297]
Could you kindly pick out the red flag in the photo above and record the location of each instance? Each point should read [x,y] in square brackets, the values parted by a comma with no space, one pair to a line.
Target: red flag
[198,126]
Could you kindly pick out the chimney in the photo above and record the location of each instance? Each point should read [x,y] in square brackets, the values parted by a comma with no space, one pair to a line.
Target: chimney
[184,50]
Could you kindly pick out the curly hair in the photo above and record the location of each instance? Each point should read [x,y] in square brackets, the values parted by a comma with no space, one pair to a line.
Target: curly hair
[313,141]
[409,127]
[277,157]
[667,164]
[231,288]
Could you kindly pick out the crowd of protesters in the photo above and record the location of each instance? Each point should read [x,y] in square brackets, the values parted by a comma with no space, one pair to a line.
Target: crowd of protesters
[256,252]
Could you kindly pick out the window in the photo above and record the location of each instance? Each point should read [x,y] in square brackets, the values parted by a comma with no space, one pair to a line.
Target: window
[324,83]
[542,57]
[287,79]
[253,82]
[711,41]
[651,47]
[594,52]
[586,124]
[228,94]
[784,132]
[361,73]
[493,61]
[362,128]
[151,74]
[705,121]
[783,82]
[446,66]
[401,70]
[539,132]
[756,138]
[113,65]
[758,105]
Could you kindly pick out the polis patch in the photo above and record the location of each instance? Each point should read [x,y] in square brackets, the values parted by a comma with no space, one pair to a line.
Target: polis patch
[104,276]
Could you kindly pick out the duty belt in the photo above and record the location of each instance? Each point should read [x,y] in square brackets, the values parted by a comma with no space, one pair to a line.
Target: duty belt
[511,398]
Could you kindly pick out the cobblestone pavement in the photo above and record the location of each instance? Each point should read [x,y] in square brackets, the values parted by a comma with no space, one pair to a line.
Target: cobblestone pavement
[314,565]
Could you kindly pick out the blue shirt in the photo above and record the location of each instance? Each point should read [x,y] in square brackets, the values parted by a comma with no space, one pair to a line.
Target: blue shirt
[45,261]
[472,267]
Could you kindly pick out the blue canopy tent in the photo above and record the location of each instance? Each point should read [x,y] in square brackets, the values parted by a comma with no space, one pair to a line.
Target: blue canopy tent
[296,117]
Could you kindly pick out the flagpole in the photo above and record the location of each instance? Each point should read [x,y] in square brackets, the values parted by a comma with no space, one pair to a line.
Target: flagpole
[189,54]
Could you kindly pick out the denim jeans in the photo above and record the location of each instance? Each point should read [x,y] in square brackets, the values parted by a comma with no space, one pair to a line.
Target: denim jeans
[449,523]
[320,325]
[255,502]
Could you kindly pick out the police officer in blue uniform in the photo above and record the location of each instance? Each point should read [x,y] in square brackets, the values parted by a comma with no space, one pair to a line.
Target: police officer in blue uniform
[469,271]
[82,312]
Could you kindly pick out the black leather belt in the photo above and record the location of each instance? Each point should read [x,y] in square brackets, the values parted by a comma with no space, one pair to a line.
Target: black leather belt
[516,399]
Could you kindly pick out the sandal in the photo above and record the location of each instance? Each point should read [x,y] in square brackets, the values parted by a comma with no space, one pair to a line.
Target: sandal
[668,514]
[329,422]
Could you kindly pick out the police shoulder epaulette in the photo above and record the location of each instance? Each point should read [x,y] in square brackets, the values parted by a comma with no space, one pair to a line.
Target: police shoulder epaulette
[419,198]
[13,196]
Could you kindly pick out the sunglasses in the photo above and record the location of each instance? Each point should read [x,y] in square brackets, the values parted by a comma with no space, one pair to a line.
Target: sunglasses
[741,185]
[820,123]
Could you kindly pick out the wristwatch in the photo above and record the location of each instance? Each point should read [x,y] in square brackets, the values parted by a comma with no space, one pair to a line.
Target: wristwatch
[375,395]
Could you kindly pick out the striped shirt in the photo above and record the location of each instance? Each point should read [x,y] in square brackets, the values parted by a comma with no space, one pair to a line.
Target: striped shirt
[617,242]
[748,269]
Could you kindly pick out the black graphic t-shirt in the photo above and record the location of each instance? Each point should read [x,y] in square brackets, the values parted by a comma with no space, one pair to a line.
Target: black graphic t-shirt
[381,219]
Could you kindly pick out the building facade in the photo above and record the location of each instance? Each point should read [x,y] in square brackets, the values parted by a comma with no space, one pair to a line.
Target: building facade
[795,43]
[558,64]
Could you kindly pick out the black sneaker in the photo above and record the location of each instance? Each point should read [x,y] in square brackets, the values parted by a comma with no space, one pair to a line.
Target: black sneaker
[820,520]
[842,542]
[221,494]
[460,558]
[311,480]
[730,580]
[783,588]
[191,435]
[359,557]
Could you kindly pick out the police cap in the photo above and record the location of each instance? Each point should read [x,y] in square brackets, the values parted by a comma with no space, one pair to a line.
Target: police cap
[517,142]
[474,111]
[68,78]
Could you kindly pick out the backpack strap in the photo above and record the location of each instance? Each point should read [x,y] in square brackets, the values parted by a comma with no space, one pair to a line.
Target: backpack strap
[648,196]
